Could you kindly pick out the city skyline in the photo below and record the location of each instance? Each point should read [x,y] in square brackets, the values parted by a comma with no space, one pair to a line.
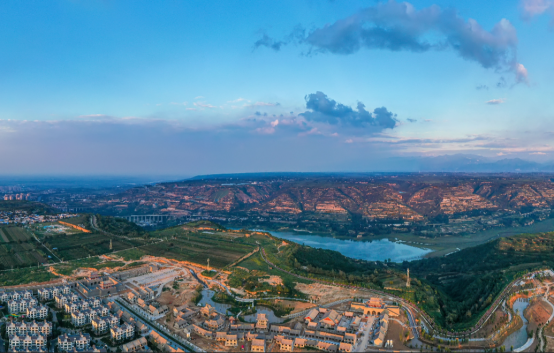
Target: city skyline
[193,88]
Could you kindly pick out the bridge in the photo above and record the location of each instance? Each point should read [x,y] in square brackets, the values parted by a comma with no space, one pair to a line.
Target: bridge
[152,218]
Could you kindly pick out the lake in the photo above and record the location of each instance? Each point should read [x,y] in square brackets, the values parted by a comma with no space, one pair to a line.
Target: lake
[376,250]
[518,338]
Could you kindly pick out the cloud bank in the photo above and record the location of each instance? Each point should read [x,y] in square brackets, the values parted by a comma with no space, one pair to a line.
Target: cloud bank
[398,26]
[326,110]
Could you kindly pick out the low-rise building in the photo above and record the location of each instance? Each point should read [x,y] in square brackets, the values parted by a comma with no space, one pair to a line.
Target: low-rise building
[30,328]
[261,322]
[37,312]
[138,345]
[215,324]
[78,318]
[101,324]
[258,345]
[122,332]
[30,343]
[67,342]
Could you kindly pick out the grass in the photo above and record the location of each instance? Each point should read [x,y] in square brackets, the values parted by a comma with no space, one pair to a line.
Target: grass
[93,262]
[70,247]
[199,247]
[131,254]
[24,276]
[256,262]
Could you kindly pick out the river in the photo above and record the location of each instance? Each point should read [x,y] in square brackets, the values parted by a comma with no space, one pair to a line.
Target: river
[376,250]
[518,338]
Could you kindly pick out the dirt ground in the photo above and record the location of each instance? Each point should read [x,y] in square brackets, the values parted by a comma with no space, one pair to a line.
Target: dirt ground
[496,320]
[297,305]
[394,333]
[181,296]
[323,294]
[538,312]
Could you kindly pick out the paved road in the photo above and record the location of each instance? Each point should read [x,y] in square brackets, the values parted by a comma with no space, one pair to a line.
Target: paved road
[363,342]
[412,308]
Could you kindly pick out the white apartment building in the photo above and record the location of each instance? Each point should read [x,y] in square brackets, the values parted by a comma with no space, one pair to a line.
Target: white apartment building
[37,312]
[67,342]
[30,343]
[122,332]
[31,328]
[101,324]
[78,318]
[16,306]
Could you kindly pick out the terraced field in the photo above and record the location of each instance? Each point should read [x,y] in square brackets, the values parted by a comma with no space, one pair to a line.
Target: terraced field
[194,247]
[19,249]
[77,246]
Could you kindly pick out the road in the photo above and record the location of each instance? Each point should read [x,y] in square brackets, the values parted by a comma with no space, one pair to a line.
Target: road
[156,327]
[50,251]
[549,319]
[364,341]
[408,308]
[411,309]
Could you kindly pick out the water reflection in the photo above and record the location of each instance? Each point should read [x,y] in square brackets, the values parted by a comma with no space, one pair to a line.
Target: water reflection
[207,296]
[518,338]
[376,250]
[271,317]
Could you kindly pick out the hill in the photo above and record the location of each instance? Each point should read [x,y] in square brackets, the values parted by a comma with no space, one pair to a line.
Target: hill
[30,207]
[455,290]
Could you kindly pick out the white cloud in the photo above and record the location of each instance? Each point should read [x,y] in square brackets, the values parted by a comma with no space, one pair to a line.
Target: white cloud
[262,104]
[496,101]
[198,97]
[204,105]
[239,100]
[522,75]
[532,8]
[176,103]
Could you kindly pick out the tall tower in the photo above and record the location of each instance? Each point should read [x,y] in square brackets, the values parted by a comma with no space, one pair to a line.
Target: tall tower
[408,280]
[208,264]
[111,244]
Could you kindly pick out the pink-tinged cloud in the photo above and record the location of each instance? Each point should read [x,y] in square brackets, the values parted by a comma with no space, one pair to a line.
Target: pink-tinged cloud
[521,74]
[532,8]
[268,129]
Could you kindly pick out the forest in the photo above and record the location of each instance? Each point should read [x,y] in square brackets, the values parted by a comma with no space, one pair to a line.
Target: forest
[119,226]
[454,290]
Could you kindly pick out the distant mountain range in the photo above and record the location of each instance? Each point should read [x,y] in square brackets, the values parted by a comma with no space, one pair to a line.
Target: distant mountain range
[457,163]
[468,164]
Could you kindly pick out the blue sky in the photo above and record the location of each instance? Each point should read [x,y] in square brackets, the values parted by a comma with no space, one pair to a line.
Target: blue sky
[181,86]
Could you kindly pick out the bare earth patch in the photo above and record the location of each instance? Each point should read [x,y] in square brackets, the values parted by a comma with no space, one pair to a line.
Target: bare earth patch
[323,294]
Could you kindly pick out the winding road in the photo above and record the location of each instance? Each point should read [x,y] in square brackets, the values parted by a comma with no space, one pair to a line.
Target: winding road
[410,308]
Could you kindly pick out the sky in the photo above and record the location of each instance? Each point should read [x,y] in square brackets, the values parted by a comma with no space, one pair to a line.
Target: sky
[200,87]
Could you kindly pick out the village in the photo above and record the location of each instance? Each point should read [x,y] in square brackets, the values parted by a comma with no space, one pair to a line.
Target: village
[168,306]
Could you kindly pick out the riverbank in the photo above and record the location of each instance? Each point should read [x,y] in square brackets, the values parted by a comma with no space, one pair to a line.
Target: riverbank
[434,247]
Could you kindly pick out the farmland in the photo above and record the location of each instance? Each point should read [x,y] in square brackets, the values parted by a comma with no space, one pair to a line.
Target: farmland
[77,246]
[19,249]
[196,247]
